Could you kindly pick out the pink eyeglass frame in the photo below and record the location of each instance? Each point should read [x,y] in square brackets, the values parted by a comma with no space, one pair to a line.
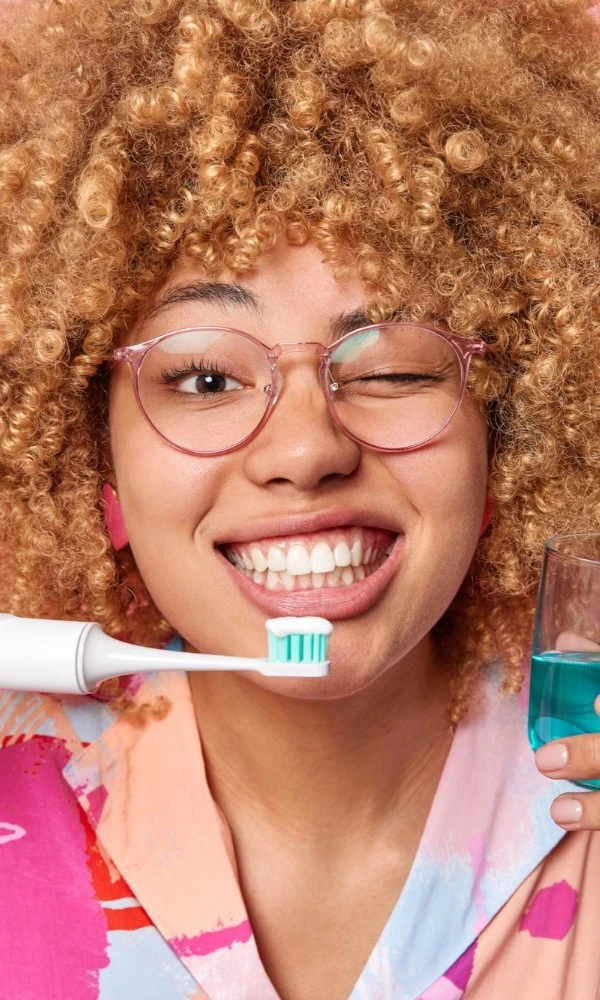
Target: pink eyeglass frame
[464,350]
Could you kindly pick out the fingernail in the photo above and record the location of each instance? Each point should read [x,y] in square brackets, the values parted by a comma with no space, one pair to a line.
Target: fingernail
[566,811]
[552,757]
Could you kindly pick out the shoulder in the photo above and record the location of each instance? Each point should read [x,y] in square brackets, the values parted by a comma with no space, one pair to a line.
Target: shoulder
[544,941]
[39,735]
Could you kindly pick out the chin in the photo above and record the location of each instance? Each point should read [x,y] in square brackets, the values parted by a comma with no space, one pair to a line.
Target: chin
[338,684]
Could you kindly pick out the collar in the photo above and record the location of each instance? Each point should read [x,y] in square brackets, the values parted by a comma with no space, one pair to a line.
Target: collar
[146,794]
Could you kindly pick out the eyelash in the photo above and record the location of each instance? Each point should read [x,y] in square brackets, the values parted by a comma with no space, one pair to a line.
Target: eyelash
[169,375]
[408,377]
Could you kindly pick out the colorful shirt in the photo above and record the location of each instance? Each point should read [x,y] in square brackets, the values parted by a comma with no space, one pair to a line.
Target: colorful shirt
[118,876]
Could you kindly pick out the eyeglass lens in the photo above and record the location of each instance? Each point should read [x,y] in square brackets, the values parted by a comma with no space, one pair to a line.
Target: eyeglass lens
[393,386]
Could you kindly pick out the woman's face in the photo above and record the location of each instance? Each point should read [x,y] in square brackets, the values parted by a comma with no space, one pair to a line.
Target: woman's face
[300,480]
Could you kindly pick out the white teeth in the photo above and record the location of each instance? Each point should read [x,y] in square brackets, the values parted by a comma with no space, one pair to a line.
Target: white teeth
[356,553]
[321,559]
[342,554]
[298,561]
[342,565]
[260,563]
[340,576]
[276,559]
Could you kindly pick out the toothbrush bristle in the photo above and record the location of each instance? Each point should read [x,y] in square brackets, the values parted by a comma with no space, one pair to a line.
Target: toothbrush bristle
[298,640]
[298,648]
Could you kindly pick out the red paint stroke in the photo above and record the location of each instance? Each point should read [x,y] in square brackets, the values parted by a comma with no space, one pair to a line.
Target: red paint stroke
[110,888]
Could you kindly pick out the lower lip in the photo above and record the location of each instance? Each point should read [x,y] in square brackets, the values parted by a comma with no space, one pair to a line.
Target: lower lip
[326,602]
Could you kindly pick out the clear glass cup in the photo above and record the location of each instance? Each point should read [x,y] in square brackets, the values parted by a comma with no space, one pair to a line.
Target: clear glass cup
[565,668]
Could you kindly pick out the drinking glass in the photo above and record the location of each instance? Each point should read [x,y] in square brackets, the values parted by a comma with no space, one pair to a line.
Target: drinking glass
[565,668]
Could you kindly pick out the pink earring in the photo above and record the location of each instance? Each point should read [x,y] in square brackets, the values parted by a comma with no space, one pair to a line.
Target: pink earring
[113,517]
[487,517]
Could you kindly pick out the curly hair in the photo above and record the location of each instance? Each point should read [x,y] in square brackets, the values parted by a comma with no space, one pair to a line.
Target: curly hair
[445,151]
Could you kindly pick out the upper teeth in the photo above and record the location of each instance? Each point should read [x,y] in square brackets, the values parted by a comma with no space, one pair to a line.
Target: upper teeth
[298,561]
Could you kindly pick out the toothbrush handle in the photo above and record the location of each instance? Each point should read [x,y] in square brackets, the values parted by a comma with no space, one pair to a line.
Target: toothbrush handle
[106,657]
[43,654]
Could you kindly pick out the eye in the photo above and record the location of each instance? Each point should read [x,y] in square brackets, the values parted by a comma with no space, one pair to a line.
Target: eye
[391,383]
[207,380]
[407,378]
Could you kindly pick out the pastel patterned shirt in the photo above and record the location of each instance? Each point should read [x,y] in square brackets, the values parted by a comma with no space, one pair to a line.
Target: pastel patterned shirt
[118,876]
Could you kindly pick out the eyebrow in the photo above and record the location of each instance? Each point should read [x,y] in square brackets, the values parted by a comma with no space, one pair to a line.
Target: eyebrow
[222,293]
[226,294]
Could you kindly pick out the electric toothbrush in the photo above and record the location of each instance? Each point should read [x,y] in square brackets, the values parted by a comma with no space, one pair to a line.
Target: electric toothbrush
[66,657]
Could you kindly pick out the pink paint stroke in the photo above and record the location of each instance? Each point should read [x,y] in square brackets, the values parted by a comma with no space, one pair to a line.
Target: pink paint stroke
[552,912]
[210,941]
[46,882]
[461,971]
[96,800]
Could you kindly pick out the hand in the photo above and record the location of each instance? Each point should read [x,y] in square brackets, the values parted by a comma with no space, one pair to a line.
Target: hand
[574,758]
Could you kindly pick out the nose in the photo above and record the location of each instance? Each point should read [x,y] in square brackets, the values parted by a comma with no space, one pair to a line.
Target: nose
[300,444]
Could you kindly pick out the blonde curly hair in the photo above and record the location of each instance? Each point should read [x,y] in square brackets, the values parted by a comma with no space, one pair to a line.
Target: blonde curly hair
[447,151]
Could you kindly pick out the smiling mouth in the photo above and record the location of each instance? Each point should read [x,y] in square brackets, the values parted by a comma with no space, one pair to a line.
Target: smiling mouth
[336,558]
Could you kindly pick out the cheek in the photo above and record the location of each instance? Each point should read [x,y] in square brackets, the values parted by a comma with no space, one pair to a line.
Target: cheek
[445,486]
[140,460]
[163,492]
[446,483]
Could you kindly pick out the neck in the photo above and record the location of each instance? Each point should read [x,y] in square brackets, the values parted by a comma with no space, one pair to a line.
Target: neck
[307,767]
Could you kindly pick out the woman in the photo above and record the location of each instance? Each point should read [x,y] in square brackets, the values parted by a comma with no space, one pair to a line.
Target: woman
[203,182]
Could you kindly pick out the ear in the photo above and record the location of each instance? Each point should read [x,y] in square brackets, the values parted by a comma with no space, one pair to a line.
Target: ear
[487,516]
[113,517]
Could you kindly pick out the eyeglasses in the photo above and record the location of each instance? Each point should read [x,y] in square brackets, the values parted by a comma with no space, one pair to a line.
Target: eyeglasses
[209,390]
